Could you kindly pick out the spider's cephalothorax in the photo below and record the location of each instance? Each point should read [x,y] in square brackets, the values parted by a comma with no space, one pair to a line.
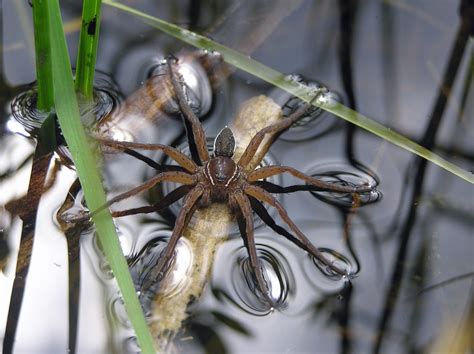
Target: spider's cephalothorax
[219,178]
[221,174]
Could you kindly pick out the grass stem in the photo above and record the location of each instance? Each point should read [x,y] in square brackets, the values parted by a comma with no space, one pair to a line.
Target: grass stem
[88,43]
[58,81]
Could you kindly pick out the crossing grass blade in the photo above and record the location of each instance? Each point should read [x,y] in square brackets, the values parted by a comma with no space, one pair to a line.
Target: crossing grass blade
[43,58]
[243,62]
[88,43]
[86,163]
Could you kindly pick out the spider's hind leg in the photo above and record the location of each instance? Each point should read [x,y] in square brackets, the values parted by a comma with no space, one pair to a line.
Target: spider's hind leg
[245,221]
[302,241]
[157,207]
[173,176]
[184,216]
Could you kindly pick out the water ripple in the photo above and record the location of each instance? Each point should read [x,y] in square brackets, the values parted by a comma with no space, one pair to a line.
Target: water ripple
[320,276]
[316,121]
[345,175]
[277,273]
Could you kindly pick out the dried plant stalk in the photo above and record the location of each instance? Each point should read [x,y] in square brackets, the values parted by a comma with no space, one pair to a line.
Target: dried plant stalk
[211,225]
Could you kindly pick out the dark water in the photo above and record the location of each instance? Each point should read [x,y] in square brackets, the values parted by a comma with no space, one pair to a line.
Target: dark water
[411,252]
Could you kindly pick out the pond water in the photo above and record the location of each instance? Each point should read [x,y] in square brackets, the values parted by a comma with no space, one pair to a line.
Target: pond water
[409,246]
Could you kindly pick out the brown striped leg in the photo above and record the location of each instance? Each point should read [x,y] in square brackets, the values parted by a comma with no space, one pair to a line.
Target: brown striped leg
[268,171]
[153,164]
[182,220]
[163,203]
[182,160]
[173,176]
[277,127]
[246,213]
[263,196]
[187,112]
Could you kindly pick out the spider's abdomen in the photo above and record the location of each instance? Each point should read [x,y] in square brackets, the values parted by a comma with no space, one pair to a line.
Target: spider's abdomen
[221,170]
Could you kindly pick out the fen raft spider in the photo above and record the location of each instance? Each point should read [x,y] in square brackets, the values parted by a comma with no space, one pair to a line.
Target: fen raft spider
[217,178]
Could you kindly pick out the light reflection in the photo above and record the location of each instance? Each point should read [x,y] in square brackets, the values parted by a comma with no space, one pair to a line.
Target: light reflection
[178,278]
[14,127]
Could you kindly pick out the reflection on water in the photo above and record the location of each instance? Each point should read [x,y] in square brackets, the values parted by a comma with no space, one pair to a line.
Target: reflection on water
[25,112]
[394,247]
[316,122]
[142,264]
[196,87]
[277,274]
[338,260]
[346,175]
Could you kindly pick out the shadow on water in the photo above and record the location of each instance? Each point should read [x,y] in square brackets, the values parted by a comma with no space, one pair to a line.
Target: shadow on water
[397,249]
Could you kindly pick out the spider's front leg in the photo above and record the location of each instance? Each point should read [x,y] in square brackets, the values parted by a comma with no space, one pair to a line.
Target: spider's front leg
[275,128]
[245,219]
[303,242]
[182,160]
[196,135]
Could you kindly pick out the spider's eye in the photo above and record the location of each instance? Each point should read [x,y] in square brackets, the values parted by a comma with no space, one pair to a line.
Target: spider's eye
[224,144]
[221,177]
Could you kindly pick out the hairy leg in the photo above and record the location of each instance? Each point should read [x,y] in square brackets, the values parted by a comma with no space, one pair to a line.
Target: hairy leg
[163,203]
[153,164]
[247,233]
[268,171]
[188,114]
[181,221]
[184,161]
[263,214]
[275,128]
[276,188]
[174,176]
[263,196]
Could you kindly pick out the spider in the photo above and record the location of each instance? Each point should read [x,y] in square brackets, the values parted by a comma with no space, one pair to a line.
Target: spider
[216,178]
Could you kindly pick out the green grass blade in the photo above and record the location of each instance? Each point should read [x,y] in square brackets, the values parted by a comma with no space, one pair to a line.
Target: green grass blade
[397,139]
[88,42]
[43,58]
[305,93]
[86,164]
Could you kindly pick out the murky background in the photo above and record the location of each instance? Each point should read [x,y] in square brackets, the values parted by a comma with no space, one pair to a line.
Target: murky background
[412,251]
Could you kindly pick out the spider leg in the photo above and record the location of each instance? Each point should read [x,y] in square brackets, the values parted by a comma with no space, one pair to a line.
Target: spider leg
[268,171]
[189,116]
[275,188]
[246,229]
[263,196]
[267,219]
[163,203]
[263,214]
[185,214]
[182,160]
[153,164]
[175,176]
[275,128]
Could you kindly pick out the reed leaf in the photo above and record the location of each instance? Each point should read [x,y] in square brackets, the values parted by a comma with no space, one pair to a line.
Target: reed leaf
[43,57]
[263,72]
[88,42]
[86,163]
